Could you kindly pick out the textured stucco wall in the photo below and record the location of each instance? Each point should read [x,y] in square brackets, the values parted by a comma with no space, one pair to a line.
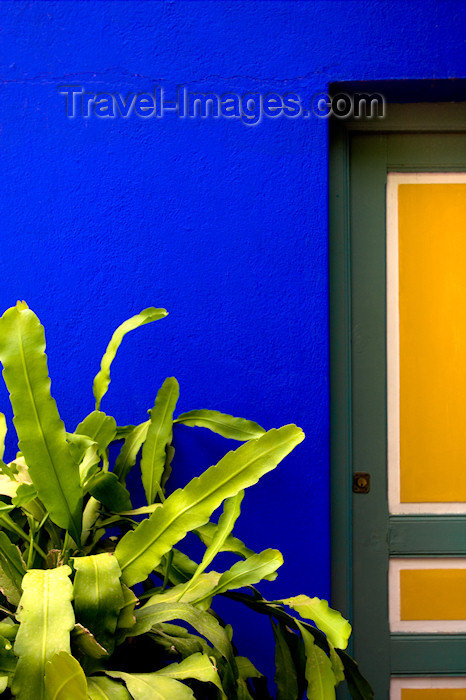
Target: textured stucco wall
[223,224]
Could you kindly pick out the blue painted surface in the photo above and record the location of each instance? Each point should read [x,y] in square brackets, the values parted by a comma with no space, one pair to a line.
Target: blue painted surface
[223,224]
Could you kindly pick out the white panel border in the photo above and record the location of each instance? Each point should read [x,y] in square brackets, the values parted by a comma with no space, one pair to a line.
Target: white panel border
[394,598]
[426,683]
[393,344]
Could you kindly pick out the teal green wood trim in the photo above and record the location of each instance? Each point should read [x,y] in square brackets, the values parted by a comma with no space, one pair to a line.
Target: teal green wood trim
[413,654]
[372,155]
[420,152]
[340,379]
[347,454]
[340,374]
[429,535]
[369,451]
[426,116]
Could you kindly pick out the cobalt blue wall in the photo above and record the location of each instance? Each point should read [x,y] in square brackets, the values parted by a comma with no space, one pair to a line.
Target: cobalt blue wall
[223,224]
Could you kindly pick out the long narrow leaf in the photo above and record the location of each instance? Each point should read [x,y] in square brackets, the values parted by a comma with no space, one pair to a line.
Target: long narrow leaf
[98,597]
[223,424]
[126,618]
[243,690]
[285,670]
[176,567]
[246,668]
[46,616]
[8,629]
[90,515]
[140,551]
[167,469]
[231,544]
[64,678]
[89,465]
[226,523]
[247,573]
[2,436]
[144,510]
[84,641]
[102,688]
[319,673]
[25,493]
[159,435]
[149,686]
[123,431]
[203,586]
[8,658]
[12,570]
[358,686]
[203,622]
[293,639]
[41,433]
[99,427]
[175,638]
[78,445]
[337,665]
[85,453]
[102,378]
[328,620]
[129,452]
[106,488]
[197,666]
[265,607]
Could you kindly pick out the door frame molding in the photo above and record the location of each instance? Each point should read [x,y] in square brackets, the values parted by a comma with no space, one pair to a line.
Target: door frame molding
[400,118]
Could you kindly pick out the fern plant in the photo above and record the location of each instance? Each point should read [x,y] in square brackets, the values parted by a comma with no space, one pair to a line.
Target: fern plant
[86,613]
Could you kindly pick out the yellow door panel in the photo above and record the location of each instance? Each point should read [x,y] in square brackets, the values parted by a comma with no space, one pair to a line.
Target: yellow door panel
[433,694]
[432,307]
[433,594]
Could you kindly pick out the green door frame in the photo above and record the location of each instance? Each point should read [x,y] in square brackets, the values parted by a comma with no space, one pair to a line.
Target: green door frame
[361,152]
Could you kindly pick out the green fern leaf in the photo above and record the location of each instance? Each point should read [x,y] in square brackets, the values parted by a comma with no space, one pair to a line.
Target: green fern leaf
[140,551]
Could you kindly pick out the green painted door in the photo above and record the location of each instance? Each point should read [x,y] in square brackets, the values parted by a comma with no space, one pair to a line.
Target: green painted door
[398,362]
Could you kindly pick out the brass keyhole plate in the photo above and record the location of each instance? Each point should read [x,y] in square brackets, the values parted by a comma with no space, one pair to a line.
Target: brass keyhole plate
[361,482]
